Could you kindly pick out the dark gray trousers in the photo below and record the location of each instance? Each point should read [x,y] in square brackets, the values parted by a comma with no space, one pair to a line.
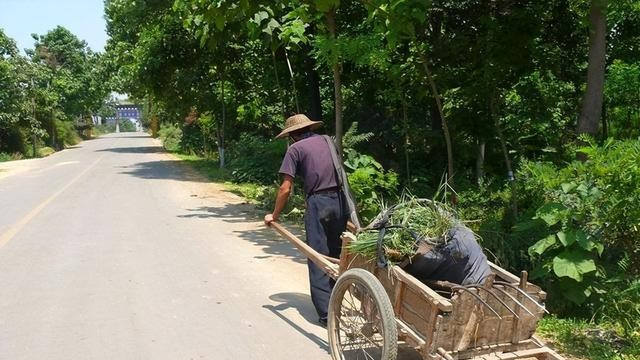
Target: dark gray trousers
[325,220]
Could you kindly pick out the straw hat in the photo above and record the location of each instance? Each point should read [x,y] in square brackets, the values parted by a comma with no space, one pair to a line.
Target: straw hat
[297,122]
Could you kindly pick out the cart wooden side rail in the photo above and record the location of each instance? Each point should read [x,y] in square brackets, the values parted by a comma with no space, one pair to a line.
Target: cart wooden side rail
[456,326]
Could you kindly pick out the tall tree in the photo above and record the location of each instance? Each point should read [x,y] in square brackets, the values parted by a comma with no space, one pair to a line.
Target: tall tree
[402,21]
[13,96]
[329,10]
[589,119]
[77,73]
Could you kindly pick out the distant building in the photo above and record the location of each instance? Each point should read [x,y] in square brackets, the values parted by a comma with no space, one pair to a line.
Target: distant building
[127,110]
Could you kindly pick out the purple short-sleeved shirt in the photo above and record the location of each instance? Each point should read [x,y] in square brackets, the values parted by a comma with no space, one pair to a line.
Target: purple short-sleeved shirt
[311,159]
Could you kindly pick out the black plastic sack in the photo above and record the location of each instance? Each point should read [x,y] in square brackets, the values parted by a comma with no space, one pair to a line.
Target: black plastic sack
[459,260]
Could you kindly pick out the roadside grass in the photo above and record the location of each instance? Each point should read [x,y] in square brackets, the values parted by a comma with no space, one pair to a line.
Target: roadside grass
[45,151]
[262,196]
[583,340]
[99,130]
[10,157]
[210,168]
[254,193]
[575,339]
[42,151]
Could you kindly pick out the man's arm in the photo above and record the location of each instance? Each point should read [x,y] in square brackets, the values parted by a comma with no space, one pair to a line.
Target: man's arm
[281,199]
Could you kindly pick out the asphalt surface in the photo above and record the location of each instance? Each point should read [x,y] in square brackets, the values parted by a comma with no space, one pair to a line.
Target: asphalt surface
[114,250]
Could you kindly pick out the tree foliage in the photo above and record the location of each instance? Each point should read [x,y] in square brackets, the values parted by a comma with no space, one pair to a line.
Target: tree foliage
[58,85]
[482,91]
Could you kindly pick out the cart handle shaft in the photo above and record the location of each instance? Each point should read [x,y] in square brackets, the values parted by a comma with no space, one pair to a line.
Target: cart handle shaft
[325,263]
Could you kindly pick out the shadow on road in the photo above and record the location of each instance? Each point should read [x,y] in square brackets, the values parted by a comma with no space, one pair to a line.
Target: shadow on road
[301,303]
[231,213]
[141,136]
[135,150]
[160,170]
[270,242]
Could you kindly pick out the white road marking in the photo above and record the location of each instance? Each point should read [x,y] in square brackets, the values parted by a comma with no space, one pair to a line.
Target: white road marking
[13,230]
[66,163]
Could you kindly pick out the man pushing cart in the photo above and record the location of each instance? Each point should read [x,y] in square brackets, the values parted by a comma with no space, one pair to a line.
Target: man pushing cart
[461,307]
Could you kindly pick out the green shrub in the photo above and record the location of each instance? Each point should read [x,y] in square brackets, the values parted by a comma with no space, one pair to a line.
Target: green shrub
[103,129]
[10,157]
[199,135]
[171,136]
[589,215]
[620,305]
[585,340]
[66,133]
[12,140]
[126,125]
[45,151]
[370,184]
[485,210]
[255,159]
[191,141]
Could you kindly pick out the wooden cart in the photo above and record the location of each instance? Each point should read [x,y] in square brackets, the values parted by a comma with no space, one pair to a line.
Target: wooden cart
[372,310]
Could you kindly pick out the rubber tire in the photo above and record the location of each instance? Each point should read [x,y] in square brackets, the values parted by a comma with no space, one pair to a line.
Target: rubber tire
[381,301]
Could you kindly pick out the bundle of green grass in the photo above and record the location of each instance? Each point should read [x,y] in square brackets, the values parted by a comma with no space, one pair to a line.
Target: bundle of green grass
[405,224]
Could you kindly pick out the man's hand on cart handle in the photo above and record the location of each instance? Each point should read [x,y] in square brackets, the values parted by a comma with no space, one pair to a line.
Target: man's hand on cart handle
[281,199]
[269,218]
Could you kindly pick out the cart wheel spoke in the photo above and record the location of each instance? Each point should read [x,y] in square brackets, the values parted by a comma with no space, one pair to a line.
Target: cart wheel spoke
[366,355]
[361,320]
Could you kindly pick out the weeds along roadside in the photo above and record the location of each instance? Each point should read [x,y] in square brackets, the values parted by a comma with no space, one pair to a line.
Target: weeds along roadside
[66,135]
[554,201]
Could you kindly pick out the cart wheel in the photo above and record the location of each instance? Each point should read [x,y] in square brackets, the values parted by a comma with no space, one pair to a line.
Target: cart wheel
[362,324]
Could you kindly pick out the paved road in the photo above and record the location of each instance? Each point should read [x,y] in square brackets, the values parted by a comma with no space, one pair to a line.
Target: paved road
[112,250]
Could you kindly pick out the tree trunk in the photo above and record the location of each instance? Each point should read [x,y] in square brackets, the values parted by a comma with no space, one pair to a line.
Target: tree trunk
[337,87]
[405,125]
[154,120]
[222,125]
[593,96]
[505,153]
[315,105]
[293,81]
[337,82]
[480,162]
[33,123]
[510,174]
[54,131]
[605,125]
[278,87]
[445,127]
[205,146]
